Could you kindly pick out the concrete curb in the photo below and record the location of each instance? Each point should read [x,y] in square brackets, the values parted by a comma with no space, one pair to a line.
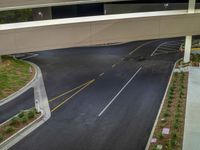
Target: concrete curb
[20,91]
[21,133]
[161,106]
[41,105]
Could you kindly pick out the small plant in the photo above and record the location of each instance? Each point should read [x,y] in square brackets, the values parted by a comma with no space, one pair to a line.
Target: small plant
[170,101]
[179,105]
[8,129]
[31,114]
[24,119]
[166,114]
[174,135]
[173,142]
[178,115]
[160,136]
[21,114]
[176,125]
[1,137]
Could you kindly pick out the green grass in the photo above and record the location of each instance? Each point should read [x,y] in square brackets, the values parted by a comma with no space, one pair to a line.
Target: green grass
[14,74]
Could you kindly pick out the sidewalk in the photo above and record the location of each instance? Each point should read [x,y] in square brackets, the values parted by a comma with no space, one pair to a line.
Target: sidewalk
[191,139]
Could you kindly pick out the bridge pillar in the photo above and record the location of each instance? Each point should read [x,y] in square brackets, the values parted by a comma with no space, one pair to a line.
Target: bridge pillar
[188,46]
[188,39]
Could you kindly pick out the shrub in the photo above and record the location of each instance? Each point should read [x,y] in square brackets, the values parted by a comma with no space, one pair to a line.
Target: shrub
[24,119]
[21,114]
[173,142]
[176,125]
[14,121]
[177,115]
[160,136]
[179,105]
[166,114]
[31,114]
[174,135]
[1,137]
[168,105]
[8,129]
[170,101]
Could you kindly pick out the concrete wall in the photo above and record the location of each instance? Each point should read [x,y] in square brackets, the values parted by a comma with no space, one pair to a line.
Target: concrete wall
[44,35]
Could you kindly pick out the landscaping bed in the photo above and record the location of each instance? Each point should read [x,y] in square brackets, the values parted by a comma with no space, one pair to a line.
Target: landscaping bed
[17,122]
[14,74]
[194,61]
[168,134]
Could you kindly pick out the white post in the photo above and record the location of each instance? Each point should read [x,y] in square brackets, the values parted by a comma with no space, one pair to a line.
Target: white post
[188,46]
[191,7]
[188,39]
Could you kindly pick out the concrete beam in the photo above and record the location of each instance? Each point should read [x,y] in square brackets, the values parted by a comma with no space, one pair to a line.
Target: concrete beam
[85,31]
[22,4]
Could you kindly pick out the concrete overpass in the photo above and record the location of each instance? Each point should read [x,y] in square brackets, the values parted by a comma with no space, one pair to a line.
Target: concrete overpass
[21,4]
[86,31]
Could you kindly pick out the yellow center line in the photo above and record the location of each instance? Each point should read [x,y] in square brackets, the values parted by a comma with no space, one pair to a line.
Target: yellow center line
[58,106]
[69,91]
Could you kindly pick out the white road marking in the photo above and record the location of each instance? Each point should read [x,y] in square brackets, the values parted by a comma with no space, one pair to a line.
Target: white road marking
[164,45]
[140,47]
[119,92]
[155,50]
[169,49]
[34,55]
[101,74]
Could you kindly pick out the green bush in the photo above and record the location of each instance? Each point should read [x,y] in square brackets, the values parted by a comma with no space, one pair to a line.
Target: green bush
[21,114]
[24,119]
[174,135]
[178,115]
[166,114]
[160,135]
[31,114]
[1,137]
[170,101]
[9,129]
[179,105]
[173,142]
[176,125]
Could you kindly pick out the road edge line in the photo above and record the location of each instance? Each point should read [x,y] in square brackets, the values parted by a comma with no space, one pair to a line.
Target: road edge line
[161,106]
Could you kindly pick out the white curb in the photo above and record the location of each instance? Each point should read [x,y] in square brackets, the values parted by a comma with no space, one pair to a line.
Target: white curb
[20,91]
[41,104]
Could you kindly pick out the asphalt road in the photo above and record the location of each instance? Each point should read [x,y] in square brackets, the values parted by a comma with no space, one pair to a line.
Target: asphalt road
[116,110]
[22,102]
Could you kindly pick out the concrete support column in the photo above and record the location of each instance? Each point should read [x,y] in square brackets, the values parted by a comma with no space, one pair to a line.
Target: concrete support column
[188,46]
[188,39]
[191,7]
